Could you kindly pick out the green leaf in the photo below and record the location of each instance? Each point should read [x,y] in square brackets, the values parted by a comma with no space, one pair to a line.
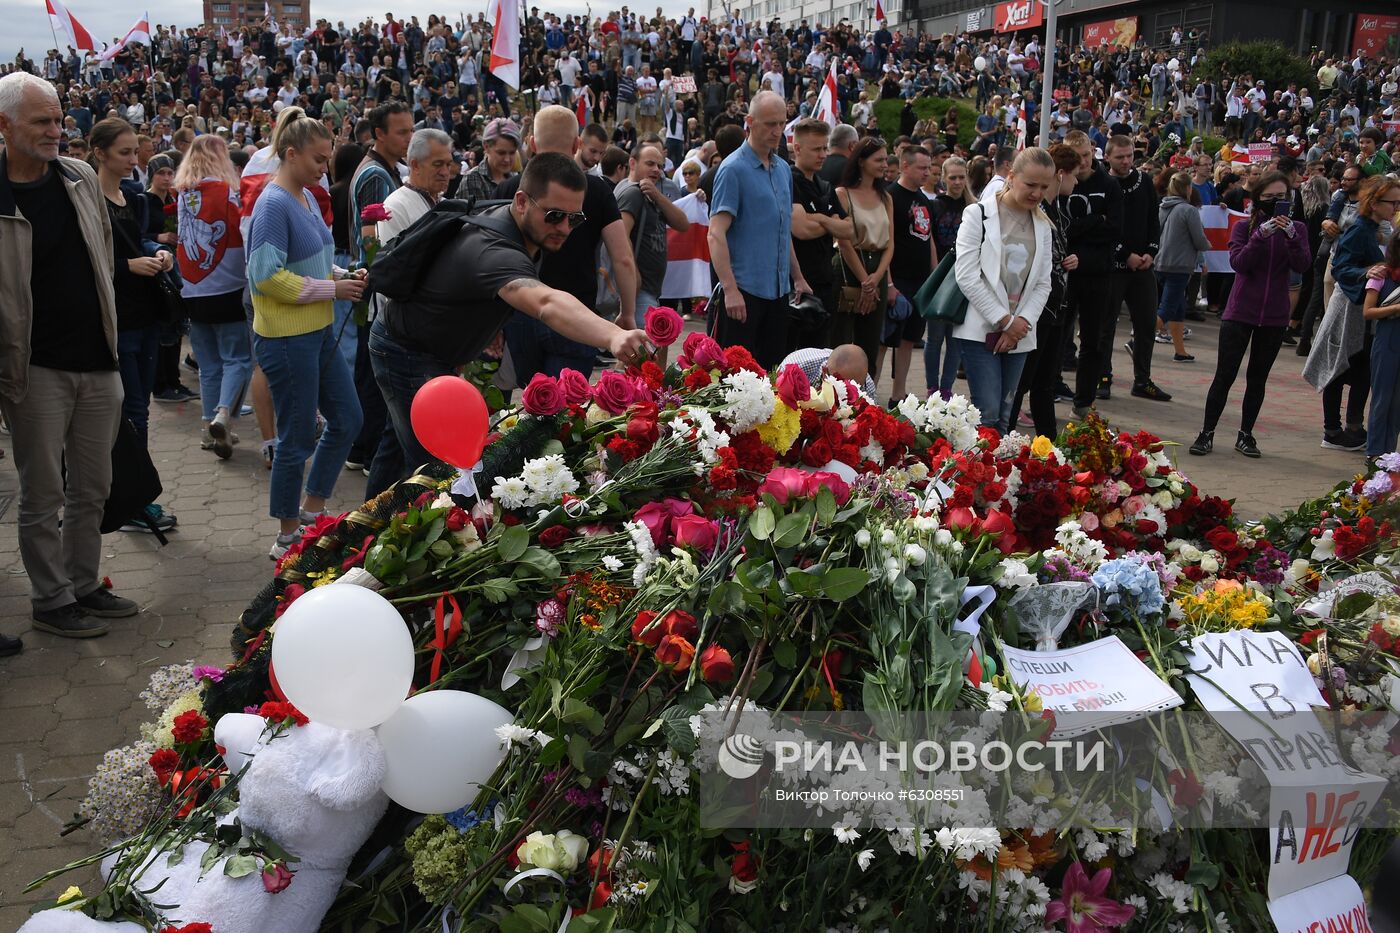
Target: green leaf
[1204,874]
[676,724]
[791,530]
[578,749]
[499,590]
[840,583]
[514,541]
[761,523]
[785,654]
[240,865]
[1352,605]
[826,505]
[577,712]
[441,549]
[805,582]
[595,921]
[435,530]
[553,753]
[527,918]
[755,576]
[543,561]
[903,589]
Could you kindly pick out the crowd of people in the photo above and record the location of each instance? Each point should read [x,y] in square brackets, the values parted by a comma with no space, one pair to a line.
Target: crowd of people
[237,187]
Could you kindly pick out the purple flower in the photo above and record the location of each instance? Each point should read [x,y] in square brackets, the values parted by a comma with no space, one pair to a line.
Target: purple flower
[251,710]
[1378,485]
[549,615]
[210,673]
[1268,567]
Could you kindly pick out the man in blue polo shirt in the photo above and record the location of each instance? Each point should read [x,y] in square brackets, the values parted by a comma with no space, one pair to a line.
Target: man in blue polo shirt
[750,242]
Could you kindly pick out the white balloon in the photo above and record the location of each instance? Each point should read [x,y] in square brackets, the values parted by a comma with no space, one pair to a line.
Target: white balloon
[343,656]
[979,63]
[441,746]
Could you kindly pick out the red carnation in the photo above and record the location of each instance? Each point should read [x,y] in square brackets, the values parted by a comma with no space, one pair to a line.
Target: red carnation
[274,711]
[189,727]
[164,763]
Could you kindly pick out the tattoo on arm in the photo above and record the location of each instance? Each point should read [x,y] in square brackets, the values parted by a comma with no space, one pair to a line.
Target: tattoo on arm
[522,282]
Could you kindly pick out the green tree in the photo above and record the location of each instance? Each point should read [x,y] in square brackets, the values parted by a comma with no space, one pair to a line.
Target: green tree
[1269,62]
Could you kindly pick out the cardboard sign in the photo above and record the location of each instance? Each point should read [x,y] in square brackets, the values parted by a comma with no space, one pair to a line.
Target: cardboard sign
[1258,671]
[1101,683]
[683,84]
[1336,904]
[1261,152]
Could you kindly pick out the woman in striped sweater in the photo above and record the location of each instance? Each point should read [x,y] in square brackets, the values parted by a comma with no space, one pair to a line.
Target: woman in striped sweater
[293,284]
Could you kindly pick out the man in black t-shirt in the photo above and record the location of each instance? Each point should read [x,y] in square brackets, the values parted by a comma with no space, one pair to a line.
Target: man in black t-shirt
[470,288]
[913,260]
[59,387]
[816,219]
[534,348]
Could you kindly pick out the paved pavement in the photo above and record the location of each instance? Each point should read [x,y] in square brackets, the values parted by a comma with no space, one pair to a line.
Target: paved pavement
[66,702]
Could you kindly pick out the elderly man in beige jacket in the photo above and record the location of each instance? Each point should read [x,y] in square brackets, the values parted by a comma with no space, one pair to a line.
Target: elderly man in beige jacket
[59,387]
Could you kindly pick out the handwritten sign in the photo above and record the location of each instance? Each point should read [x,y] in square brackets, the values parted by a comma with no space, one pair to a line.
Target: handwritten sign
[1101,683]
[1261,152]
[1258,671]
[683,84]
[1335,904]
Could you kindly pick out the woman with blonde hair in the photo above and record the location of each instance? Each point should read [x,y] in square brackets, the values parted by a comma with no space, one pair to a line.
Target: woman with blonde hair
[293,283]
[212,267]
[1004,263]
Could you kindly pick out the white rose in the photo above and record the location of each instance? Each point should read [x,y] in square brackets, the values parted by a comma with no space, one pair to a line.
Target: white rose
[863,538]
[1209,562]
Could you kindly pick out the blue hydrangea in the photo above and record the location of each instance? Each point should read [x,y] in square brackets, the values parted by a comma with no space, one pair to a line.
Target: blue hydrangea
[1130,585]
[465,819]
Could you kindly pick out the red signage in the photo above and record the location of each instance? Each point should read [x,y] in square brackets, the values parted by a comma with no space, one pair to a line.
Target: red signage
[1018,14]
[1115,32]
[1376,35]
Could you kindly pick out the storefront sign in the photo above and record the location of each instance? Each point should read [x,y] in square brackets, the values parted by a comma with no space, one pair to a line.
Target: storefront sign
[1120,32]
[976,20]
[1377,35]
[1018,14]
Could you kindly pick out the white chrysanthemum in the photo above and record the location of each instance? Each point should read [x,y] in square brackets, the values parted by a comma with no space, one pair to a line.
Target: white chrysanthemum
[1079,547]
[612,564]
[748,400]
[510,493]
[1169,889]
[1015,574]
[1011,444]
[512,734]
[864,857]
[549,479]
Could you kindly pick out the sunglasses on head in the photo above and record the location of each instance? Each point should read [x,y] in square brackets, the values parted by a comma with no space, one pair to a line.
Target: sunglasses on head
[554,216]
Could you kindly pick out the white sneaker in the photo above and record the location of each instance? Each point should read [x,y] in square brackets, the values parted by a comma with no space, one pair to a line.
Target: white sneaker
[1202,303]
[220,436]
[282,544]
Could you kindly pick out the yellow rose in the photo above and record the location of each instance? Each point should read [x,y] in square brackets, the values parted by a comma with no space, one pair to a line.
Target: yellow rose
[823,398]
[1315,665]
[1042,447]
[74,893]
[1391,624]
[562,851]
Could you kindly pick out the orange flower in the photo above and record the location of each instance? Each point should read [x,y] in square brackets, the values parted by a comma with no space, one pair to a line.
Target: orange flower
[676,653]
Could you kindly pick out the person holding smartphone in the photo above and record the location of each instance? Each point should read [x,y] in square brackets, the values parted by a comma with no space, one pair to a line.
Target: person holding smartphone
[1263,251]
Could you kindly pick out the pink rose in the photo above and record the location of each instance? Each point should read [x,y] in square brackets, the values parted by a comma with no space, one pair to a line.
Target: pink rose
[1089,521]
[575,387]
[375,213]
[784,482]
[793,385]
[663,326]
[656,519]
[276,877]
[543,396]
[833,481]
[695,531]
[701,350]
[614,392]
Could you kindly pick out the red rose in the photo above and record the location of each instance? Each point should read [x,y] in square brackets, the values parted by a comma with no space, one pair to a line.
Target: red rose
[838,486]
[164,763]
[375,213]
[663,325]
[555,535]
[657,521]
[1187,791]
[644,631]
[695,531]
[702,351]
[602,893]
[575,387]
[456,519]
[276,877]
[642,430]
[1222,539]
[784,482]
[963,519]
[675,653]
[817,453]
[716,665]
[189,928]
[189,727]
[744,867]
[1000,524]
[543,396]
[680,623]
[793,385]
[614,392]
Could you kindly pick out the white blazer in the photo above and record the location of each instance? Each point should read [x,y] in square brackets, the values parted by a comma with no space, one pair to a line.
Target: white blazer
[978,271]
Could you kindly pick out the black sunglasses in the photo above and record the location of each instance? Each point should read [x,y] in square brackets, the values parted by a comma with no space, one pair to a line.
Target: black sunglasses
[554,216]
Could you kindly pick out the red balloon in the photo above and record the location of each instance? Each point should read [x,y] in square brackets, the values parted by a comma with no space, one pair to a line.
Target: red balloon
[450,420]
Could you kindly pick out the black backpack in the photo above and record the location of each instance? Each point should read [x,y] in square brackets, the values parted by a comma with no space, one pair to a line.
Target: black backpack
[402,263]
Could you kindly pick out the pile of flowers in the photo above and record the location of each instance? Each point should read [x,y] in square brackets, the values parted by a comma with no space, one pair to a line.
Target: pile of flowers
[670,543]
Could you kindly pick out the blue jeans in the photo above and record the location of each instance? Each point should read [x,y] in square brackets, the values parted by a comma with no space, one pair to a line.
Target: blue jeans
[136,358]
[345,328]
[306,373]
[225,363]
[534,348]
[400,373]
[992,379]
[1172,306]
[939,335]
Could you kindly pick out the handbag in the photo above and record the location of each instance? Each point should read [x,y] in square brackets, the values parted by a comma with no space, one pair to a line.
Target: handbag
[171,309]
[135,483]
[940,298]
[848,296]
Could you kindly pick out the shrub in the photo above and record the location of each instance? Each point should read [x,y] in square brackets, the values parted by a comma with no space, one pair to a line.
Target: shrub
[887,113]
[1269,62]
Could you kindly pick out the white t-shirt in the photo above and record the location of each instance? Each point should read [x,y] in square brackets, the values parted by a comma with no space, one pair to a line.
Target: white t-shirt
[994,186]
[405,206]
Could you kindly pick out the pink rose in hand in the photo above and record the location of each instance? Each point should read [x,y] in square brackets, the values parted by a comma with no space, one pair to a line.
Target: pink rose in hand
[575,387]
[614,392]
[543,396]
[793,385]
[663,326]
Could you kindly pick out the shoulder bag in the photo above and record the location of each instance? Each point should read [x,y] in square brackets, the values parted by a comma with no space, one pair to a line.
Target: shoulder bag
[940,298]
[848,295]
[172,304]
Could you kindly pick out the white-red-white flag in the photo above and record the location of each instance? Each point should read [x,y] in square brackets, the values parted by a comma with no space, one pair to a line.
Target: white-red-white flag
[139,33]
[505,42]
[879,12]
[828,106]
[64,22]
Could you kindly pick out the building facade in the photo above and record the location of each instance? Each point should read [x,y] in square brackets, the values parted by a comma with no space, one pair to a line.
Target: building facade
[826,12]
[230,13]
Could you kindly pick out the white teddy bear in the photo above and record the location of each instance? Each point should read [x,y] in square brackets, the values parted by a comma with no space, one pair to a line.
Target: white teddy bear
[314,790]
